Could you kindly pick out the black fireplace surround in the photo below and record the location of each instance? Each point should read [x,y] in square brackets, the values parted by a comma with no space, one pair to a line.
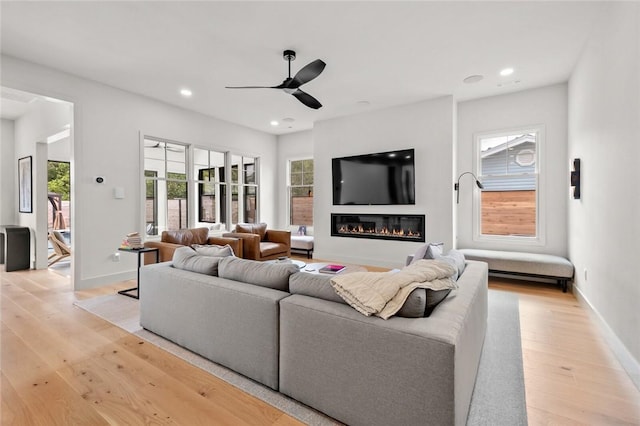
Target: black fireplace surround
[396,227]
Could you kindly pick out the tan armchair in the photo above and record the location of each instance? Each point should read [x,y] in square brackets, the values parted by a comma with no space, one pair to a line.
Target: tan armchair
[171,240]
[260,243]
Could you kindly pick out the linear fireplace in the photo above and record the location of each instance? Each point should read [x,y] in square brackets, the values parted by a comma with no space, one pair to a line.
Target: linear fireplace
[397,227]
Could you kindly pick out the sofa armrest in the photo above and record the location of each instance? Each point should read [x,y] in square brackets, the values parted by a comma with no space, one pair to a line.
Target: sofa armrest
[277,236]
[250,244]
[165,251]
[235,243]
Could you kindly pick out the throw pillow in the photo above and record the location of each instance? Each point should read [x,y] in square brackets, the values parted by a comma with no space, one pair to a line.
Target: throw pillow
[458,258]
[427,250]
[187,259]
[213,250]
[434,250]
[434,297]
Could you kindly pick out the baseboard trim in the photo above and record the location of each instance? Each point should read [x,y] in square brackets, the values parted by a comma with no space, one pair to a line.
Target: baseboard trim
[102,280]
[628,362]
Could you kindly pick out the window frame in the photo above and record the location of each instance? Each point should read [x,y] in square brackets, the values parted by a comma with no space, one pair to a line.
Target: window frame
[540,238]
[290,187]
[166,179]
[225,184]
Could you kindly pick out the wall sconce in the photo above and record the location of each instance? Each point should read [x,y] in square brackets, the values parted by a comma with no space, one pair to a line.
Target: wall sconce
[575,178]
[456,186]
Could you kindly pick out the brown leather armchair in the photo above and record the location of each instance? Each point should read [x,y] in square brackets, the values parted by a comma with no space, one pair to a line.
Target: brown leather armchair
[260,243]
[171,240]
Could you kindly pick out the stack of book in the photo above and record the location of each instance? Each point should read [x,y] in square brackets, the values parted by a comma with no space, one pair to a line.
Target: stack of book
[132,241]
[331,269]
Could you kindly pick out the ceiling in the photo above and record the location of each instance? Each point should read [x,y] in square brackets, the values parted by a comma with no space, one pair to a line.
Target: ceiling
[378,54]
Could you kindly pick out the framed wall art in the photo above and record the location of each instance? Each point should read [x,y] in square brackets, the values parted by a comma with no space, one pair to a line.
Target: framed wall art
[25,186]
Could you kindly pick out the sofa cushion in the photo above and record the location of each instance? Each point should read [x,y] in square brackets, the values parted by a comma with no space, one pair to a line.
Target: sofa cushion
[421,302]
[186,237]
[268,249]
[186,258]
[253,228]
[271,275]
[213,250]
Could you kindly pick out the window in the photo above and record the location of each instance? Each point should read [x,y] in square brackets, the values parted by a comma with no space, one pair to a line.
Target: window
[509,169]
[226,186]
[244,189]
[165,171]
[208,167]
[301,192]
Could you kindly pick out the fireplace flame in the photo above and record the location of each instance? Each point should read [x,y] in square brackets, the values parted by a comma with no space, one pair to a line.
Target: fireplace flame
[359,229]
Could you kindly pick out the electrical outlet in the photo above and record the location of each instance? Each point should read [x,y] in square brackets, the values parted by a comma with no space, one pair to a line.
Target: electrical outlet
[116,257]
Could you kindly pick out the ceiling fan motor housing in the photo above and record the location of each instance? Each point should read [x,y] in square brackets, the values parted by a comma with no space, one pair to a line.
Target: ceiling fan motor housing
[289,55]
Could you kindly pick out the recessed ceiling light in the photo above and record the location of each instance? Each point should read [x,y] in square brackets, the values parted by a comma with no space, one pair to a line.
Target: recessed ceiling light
[473,79]
[507,71]
[186,93]
[274,123]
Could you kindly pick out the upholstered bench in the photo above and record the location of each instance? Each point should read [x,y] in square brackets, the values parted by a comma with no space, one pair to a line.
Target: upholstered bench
[302,239]
[302,243]
[525,264]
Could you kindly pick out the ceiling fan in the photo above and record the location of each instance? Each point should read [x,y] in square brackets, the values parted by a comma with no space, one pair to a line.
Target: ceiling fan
[292,85]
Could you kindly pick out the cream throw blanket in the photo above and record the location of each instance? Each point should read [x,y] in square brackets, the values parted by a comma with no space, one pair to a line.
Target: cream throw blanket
[383,294]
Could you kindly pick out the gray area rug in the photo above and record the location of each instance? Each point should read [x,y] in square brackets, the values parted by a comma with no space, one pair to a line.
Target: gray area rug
[498,398]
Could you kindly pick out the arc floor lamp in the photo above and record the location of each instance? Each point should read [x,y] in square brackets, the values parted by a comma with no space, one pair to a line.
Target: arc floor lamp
[456,186]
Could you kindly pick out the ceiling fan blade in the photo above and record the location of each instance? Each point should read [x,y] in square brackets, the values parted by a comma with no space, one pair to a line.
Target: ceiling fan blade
[307,99]
[254,87]
[307,73]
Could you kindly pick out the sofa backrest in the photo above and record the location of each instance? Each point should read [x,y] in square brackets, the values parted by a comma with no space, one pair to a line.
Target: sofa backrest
[272,275]
[253,228]
[186,237]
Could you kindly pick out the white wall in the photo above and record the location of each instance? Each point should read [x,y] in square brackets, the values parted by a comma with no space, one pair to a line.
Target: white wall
[604,132]
[8,181]
[428,127]
[546,106]
[42,119]
[106,129]
[294,146]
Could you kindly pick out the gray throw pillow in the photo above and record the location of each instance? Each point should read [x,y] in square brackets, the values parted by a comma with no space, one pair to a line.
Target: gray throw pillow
[427,251]
[213,250]
[434,297]
[187,259]
[433,251]
[271,275]
[456,259]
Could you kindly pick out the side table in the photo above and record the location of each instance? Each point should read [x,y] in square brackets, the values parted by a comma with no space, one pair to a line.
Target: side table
[140,252]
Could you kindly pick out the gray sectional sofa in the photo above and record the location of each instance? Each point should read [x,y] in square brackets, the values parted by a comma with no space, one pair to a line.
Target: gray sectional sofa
[289,331]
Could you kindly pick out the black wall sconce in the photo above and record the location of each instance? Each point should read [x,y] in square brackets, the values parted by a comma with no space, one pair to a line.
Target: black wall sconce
[575,178]
[456,186]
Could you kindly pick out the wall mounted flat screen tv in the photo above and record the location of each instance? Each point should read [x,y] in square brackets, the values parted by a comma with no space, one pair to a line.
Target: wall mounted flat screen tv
[385,178]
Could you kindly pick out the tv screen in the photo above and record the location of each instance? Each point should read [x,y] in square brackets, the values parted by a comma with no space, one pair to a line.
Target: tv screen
[384,178]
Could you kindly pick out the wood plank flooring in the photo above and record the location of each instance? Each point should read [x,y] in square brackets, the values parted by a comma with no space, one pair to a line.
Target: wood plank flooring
[61,365]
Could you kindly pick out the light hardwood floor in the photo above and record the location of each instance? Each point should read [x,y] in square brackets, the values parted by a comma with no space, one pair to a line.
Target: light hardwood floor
[61,365]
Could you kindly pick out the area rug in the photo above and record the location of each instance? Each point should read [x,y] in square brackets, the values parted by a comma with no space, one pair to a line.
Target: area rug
[498,397]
